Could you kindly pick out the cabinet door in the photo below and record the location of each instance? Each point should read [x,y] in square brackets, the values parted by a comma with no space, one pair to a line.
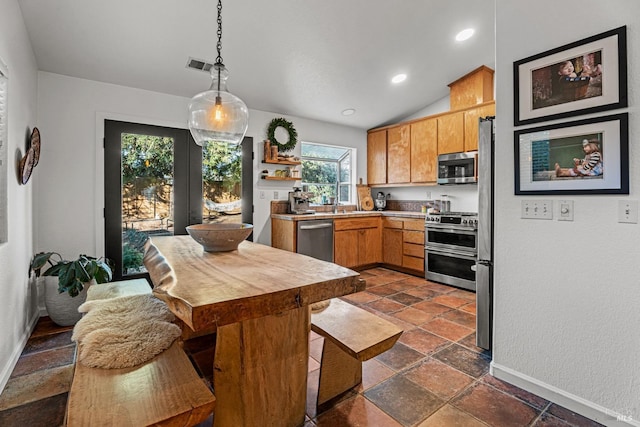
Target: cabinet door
[398,155]
[392,246]
[345,244]
[377,157]
[424,151]
[451,133]
[471,125]
[369,248]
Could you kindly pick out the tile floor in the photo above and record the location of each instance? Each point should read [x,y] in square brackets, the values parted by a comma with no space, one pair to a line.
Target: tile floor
[433,376]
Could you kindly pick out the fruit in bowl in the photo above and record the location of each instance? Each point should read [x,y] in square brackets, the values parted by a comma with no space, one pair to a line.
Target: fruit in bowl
[219,237]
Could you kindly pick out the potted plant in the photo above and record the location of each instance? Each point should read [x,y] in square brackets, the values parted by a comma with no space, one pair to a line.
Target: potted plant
[64,296]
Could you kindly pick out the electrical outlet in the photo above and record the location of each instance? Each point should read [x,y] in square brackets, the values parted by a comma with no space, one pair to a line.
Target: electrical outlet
[537,209]
[628,211]
[428,195]
[565,210]
[262,194]
[275,195]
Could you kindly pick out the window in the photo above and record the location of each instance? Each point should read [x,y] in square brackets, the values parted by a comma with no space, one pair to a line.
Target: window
[325,168]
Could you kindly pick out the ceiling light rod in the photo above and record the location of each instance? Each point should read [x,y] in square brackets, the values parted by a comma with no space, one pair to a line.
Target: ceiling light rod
[216,115]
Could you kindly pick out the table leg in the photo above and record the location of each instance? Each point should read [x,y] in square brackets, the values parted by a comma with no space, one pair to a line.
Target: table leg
[260,371]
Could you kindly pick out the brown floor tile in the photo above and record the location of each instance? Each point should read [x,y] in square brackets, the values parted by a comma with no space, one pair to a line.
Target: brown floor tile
[571,417]
[383,290]
[313,379]
[470,342]
[313,364]
[423,341]
[309,423]
[48,412]
[315,349]
[461,318]
[469,308]
[361,297]
[465,295]
[399,357]
[464,360]
[449,416]
[404,400]
[432,307]
[494,407]
[404,298]
[450,301]
[416,281]
[413,316]
[357,411]
[438,287]
[422,293]
[447,329]
[440,379]
[373,373]
[38,361]
[313,336]
[35,386]
[48,342]
[546,420]
[385,305]
[530,398]
[401,285]
[405,326]
[381,280]
[46,326]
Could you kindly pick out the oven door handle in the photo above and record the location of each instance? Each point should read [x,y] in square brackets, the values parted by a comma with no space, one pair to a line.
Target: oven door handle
[449,229]
[458,254]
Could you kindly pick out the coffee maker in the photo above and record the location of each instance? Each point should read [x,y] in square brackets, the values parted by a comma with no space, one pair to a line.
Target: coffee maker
[299,202]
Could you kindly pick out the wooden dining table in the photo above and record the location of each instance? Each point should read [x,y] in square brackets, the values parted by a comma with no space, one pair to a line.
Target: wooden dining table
[257,300]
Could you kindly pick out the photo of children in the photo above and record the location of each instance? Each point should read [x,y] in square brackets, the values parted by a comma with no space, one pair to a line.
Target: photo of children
[575,157]
[569,80]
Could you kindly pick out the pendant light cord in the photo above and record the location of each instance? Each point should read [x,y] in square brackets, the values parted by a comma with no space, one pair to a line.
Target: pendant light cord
[219,45]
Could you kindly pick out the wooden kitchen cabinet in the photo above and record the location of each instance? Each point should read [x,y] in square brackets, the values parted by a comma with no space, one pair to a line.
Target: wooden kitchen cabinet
[377,157]
[357,242]
[451,133]
[392,246]
[424,151]
[471,124]
[403,242]
[398,155]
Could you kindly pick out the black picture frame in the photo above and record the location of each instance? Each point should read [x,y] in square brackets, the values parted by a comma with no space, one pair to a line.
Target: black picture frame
[538,150]
[598,83]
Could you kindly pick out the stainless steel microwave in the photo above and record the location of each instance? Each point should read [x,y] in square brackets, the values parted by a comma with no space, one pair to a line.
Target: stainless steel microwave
[458,168]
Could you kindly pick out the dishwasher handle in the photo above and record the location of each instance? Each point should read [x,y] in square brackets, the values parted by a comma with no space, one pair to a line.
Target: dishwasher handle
[315,226]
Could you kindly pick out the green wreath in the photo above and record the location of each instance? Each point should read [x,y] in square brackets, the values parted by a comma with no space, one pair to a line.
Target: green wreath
[288,126]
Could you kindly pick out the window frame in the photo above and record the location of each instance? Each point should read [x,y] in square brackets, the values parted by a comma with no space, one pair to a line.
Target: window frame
[349,154]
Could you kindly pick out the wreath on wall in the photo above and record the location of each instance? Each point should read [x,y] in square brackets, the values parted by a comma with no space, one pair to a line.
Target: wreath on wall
[287,126]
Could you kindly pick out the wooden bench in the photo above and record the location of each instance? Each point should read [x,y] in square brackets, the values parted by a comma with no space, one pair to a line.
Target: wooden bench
[164,391]
[352,335]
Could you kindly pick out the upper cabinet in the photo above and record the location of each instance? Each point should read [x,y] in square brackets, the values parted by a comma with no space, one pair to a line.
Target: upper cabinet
[398,155]
[472,89]
[451,133]
[424,149]
[377,157]
[471,124]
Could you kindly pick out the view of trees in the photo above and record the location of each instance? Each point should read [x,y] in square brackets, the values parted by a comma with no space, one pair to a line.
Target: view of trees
[320,165]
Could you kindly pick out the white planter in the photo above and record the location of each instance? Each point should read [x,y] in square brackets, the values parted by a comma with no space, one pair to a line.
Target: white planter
[62,308]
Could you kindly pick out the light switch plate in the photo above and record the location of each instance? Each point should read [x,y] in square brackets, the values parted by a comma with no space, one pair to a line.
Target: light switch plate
[565,210]
[537,209]
[628,211]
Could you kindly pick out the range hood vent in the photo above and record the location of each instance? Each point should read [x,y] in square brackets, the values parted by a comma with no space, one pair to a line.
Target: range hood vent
[199,64]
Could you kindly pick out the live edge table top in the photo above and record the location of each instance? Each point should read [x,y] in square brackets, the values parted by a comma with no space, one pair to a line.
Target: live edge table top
[211,289]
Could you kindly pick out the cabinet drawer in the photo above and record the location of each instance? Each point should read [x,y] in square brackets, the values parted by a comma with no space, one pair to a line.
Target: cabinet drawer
[392,223]
[413,263]
[413,250]
[414,224]
[355,223]
[413,237]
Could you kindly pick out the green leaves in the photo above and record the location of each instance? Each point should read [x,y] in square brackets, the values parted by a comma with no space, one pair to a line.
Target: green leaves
[72,275]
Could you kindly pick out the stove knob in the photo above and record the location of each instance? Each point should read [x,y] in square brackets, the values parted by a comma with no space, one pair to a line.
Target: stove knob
[464,222]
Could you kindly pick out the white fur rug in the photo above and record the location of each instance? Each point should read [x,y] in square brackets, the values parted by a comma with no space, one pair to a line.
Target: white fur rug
[124,331]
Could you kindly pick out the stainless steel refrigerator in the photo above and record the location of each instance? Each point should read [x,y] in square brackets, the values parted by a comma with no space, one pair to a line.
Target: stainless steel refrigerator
[484,265]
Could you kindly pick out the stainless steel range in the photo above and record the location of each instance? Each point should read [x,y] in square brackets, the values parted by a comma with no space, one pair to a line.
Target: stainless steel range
[451,248]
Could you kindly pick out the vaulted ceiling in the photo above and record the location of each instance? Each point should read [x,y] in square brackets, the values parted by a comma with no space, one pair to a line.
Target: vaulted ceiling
[311,58]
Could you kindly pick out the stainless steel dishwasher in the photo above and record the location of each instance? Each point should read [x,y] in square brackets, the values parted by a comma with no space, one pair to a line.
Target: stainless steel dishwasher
[315,238]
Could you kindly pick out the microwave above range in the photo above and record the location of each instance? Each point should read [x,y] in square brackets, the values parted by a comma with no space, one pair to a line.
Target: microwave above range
[458,168]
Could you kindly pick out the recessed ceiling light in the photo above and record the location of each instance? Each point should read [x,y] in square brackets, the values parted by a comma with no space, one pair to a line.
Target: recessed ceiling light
[465,34]
[399,78]
[348,112]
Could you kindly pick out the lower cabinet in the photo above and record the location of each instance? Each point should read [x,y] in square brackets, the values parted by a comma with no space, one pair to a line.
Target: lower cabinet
[356,242]
[403,242]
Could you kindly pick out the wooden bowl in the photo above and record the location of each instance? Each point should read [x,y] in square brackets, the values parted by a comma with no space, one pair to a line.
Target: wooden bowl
[219,237]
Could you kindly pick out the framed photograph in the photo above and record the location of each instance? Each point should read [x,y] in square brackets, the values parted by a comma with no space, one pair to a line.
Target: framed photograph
[588,156]
[583,77]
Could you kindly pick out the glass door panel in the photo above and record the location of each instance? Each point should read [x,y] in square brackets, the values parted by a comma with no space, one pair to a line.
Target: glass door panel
[222,183]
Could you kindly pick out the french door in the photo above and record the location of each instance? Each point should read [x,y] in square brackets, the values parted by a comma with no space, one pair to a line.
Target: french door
[158,181]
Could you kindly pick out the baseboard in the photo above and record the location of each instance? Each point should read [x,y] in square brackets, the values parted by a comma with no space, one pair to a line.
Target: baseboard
[572,402]
[13,360]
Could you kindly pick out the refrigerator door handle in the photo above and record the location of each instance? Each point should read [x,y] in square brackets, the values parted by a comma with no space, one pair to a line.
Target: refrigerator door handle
[485,262]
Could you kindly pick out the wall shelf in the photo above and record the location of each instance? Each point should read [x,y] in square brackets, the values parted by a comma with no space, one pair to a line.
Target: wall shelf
[280,178]
[281,162]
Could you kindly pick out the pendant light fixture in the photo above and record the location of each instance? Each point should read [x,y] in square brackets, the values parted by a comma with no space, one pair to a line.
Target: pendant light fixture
[217,115]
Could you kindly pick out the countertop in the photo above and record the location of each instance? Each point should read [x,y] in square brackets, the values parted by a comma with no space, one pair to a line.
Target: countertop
[352,214]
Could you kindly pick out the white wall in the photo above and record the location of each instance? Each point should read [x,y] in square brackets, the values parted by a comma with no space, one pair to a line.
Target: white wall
[18,311]
[567,293]
[71,114]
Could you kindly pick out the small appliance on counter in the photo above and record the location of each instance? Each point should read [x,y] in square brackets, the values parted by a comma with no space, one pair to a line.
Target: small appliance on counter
[381,201]
[299,202]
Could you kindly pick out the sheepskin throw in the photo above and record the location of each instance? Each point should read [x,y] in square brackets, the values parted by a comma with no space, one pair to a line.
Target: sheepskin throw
[123,331]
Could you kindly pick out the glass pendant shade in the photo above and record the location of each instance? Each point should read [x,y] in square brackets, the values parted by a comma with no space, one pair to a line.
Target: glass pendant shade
[216,115]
